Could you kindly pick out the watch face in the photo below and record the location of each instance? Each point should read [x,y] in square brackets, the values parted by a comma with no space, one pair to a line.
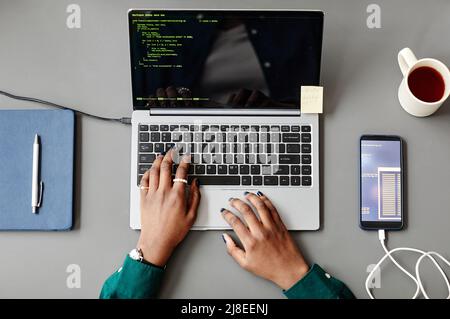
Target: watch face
[134,254]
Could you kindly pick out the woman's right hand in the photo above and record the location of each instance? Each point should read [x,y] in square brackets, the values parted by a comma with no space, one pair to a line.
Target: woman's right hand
[269,250]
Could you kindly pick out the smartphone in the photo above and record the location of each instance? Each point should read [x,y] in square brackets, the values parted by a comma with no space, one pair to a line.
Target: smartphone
[381,182]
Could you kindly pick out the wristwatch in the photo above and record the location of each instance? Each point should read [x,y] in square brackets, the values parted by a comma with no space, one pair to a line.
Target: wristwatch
[136,254]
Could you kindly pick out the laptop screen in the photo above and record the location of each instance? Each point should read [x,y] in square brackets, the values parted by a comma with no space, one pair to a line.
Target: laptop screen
[223,59]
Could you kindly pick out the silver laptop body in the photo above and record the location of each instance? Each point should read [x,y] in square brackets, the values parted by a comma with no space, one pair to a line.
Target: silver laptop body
[288,175]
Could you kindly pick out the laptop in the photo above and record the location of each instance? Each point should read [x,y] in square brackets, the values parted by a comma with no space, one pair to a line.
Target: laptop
[224,87]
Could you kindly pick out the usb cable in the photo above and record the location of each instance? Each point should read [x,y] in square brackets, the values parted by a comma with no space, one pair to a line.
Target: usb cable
[122,120]
[416,278]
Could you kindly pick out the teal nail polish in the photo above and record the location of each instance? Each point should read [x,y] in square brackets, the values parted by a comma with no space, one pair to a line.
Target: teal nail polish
[259,194]
[222,210]
[223,238]
[230,199]
[246,193]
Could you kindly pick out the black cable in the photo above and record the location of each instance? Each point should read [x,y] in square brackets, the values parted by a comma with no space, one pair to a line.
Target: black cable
[122,120]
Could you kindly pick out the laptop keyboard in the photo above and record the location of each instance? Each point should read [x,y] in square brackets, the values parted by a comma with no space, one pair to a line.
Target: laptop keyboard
[250,155]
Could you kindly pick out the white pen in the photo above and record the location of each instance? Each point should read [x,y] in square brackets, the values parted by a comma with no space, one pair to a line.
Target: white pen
[36,186]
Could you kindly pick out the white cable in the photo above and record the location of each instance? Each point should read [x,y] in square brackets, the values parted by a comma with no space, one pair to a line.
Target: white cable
[417,279]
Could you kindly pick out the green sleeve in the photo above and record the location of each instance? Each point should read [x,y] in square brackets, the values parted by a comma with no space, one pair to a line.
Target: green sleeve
[134,280]
[317,284]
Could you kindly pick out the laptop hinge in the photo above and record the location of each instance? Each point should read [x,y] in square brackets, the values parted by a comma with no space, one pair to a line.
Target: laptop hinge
[222,112]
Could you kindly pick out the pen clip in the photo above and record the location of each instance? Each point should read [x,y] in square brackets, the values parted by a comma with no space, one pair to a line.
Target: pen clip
[41,189]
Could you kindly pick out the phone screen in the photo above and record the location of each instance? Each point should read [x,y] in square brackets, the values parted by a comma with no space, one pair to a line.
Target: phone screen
[381,182]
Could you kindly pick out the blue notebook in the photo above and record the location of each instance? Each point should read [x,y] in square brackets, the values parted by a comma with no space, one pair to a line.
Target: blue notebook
[56,131]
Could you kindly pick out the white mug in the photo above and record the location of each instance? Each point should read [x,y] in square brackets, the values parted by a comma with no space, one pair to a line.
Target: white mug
[408,63]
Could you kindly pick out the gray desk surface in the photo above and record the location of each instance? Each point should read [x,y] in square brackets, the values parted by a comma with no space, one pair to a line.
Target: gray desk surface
[89,69]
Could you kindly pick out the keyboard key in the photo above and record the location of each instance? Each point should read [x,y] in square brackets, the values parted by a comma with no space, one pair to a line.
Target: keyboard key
[275,137]
[214,148]
[146,158]
[187,137]
[254,128]
[271,180]
[293,148]
[221,137]
[177,137]
[261,159]
[195,128]
[306,181]
[173,127]
[288,159]
[217,180]
[266,170]
[139,179]
[264,128]
[306,148]
[285,128]
[144,168]
[155,136]
[306,128]
[246,180]
[295,180]
[281,169]
[264,137]
[199,169]
[250,159]
[291,137]
[295,128]
[247,148]
[169,146]
[192,148]
[306,169]
[143,127]
[284,180]
[295,169]
[253,137]
[206,158]
[275,128]
[225,148]
[234,128]
[228,158]
[233,169]
[211,169]
[191,169]
[214,128]
[243,138]
[236,148]
[244,169]
[159,147]
[181,148]
[257,180]
[205,128]
[239,159]
[184,127]
[306,159]
[245,128]
[272,159]
[166,137]
[232,137]
[195,158]
[210,137]
[145,147]
[164,128]
[154,128]
[216,159]
[144,137]
[224,128]
[198,137]
[255,169]
[222,169]
[306,138]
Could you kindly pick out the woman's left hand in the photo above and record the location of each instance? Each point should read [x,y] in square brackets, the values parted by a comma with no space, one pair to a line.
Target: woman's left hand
[167,213]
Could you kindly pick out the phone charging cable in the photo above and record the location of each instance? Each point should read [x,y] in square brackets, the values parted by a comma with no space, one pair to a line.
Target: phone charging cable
[417,279]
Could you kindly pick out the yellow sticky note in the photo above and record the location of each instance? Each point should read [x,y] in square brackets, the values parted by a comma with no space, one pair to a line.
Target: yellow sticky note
[311,99]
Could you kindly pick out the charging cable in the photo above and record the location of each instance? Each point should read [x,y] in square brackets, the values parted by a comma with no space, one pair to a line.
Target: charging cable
[416,278]
[122,120]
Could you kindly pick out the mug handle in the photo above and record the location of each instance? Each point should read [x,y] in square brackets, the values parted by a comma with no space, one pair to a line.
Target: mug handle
[406,59]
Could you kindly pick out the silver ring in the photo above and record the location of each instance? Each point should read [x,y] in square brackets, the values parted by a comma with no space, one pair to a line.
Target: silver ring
[180,180]
[182,90]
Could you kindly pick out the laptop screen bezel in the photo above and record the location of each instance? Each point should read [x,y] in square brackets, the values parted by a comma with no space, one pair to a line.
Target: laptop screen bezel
[317,14]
